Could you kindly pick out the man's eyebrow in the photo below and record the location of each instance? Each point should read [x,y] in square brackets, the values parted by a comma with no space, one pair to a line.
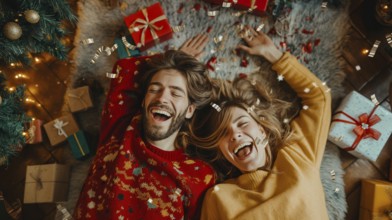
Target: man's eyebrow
[171,87]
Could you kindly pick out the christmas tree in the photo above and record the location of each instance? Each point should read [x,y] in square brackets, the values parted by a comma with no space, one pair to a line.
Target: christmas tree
[12,121]
[33,26]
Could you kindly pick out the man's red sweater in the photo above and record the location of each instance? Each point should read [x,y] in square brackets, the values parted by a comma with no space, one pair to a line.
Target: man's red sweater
[130,178]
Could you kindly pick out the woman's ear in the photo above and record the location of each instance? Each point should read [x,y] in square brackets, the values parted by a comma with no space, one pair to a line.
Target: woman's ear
[189,113]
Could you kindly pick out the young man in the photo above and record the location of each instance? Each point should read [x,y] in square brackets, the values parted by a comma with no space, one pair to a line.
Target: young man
[140,170]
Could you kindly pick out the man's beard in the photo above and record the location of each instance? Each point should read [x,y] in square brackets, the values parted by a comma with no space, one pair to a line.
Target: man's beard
[155,133]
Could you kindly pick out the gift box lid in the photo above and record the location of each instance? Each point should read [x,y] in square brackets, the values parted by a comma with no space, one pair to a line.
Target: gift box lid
[47,173]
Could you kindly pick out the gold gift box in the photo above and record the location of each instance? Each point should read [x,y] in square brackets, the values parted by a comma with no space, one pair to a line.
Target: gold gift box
[79,99]
[376,200]
[46,183]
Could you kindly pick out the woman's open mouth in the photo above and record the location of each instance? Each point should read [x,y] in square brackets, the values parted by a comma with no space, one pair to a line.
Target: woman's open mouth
[243,150]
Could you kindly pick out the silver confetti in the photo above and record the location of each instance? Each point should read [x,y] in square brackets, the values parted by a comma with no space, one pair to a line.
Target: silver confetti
[212,13]
[374,48]
[226,4]
[374,99]
[87,41]
[324,4]
[389,39]
[260,27]
[111,75]
[127,44]
[358,67]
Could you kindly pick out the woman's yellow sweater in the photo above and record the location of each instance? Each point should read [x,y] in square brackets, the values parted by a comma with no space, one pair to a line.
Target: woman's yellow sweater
[293,189]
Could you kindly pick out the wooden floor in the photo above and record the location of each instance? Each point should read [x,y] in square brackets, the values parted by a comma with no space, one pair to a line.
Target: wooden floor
[47,83]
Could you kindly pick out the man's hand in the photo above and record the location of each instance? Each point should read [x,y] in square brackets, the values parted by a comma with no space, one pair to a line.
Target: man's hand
[259,44]
[195,45]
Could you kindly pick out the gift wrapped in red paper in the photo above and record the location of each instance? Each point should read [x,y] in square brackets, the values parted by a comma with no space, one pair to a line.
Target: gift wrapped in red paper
[257,7]
[149,26]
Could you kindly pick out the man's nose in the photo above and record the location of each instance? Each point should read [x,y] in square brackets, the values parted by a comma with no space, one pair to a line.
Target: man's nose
[164,96]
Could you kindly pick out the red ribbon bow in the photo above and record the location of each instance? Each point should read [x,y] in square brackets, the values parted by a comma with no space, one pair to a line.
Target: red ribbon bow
[363,128]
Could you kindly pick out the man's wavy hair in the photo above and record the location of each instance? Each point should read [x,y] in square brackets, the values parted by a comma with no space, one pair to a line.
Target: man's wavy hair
[209,125]
[199,86]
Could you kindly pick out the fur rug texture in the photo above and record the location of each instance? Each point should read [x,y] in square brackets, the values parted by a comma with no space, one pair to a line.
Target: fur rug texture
[312,33]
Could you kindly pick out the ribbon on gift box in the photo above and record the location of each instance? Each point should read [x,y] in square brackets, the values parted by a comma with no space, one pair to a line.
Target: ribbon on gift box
[363,126]
[146,24]
[58,124]
[79,145]
[79,97]
[38,182]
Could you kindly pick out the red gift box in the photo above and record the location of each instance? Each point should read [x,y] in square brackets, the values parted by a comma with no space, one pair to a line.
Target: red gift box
[257,7]
[149,26]
[34,132]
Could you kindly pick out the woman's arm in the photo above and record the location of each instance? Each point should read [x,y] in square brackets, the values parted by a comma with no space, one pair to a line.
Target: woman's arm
[312,124]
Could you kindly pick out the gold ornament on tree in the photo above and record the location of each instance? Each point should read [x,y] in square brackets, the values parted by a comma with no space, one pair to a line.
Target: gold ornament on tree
[12,30]
[32,16]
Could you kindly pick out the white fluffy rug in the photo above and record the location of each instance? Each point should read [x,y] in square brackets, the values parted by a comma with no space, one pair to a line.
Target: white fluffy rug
[313,34]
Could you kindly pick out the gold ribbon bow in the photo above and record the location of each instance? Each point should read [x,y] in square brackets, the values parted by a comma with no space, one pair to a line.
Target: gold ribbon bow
[146,24]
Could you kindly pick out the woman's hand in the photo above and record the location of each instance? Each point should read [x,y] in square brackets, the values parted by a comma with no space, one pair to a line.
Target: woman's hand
[259,44]
[195,45]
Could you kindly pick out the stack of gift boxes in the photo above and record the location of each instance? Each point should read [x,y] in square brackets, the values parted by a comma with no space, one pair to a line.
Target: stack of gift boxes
[49,182]
[361,127]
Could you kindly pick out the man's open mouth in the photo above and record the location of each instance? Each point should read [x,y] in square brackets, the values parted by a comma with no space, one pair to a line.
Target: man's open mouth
[161,115]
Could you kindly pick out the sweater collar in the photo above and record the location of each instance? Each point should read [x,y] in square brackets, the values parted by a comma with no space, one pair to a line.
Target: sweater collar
[250,181]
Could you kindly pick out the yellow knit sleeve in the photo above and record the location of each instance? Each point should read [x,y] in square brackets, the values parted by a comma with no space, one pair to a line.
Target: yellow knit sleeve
[312,124]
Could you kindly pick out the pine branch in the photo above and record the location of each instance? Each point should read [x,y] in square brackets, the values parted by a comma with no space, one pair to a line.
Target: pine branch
[35,37]
[12,121]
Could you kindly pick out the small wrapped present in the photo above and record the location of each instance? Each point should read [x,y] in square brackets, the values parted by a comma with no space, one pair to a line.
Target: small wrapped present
[79,146]
[34,132]
[376,200]
[257,7]
[360,126]
[79,99]
[126,47]
[149,26]
[59,129]
[46,183]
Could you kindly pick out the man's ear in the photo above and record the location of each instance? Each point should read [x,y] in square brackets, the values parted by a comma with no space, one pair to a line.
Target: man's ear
[191,109]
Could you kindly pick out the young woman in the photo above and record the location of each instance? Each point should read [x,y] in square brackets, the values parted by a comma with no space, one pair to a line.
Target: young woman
[277,170]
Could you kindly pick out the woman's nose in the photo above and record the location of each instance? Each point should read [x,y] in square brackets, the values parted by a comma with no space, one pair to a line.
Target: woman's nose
[236,136]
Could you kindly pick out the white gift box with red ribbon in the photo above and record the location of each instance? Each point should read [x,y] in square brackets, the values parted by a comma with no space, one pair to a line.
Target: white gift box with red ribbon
[360,126]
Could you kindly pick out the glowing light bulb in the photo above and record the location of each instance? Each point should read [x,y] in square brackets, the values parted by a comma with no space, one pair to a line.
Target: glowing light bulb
[365,51]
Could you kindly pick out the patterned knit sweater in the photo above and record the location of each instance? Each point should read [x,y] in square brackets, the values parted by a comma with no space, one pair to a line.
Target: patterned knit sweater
[131,179]
[293,189]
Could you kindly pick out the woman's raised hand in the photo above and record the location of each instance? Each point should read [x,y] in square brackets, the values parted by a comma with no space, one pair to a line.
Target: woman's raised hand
[259,44]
